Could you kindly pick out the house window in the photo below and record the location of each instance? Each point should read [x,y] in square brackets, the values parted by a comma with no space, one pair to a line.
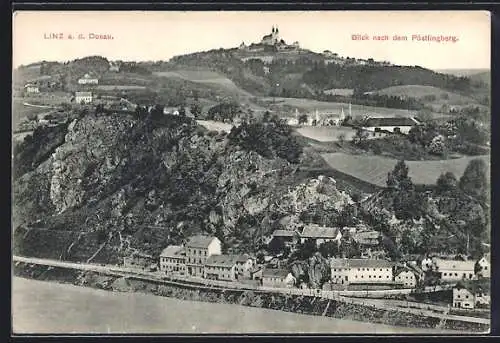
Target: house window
[444,274]
[458,296]
[380,276]
[456,274]
[466,297]
[485,268]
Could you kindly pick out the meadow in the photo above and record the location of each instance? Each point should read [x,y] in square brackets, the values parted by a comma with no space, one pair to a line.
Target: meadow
[374,169]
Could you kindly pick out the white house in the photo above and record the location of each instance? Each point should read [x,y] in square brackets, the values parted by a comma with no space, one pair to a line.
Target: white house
[278,278]
[360,271]
[83,97]
[173,259]
[463,298]
[88,80]
[396,124]
[470,295]
[320,234]
[451,270]
[221,267]
[484,265]
[406,278]
[198,249]
[31,88]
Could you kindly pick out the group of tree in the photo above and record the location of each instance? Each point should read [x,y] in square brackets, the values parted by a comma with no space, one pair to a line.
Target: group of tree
[271,139]
[226,111]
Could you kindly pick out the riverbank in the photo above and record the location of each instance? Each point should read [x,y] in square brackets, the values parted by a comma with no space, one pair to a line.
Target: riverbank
[282,302]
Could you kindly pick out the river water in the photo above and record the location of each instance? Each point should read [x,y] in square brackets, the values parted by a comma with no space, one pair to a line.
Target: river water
[47,307]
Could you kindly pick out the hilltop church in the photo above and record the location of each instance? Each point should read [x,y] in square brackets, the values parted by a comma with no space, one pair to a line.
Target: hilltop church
[273,38]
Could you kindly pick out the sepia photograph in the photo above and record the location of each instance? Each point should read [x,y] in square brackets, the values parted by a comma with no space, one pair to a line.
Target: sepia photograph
[246,172]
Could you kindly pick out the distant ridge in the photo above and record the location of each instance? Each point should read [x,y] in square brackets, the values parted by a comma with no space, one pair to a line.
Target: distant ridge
[463,72]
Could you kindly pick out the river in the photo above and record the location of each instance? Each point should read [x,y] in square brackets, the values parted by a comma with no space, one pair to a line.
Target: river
[48,307]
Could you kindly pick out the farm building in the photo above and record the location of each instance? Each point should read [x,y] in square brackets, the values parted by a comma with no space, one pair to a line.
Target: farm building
[320,234]
[87,79]
[31,88]
[396,124]
[352,271]
[83,97]
[173,259]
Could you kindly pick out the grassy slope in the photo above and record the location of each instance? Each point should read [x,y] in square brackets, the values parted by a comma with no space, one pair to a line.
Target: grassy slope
[374,169]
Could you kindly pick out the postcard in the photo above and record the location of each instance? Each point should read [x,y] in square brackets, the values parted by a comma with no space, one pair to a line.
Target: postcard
[232,172]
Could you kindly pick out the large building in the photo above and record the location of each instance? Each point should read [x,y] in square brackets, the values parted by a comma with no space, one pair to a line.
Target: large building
[83,97]
[31,88]
[320,234]
[405,277]
[396,124]
[451,270]
[361,271]
[471,295]
[87,79]
[198,250]
[286,237]
[173,259]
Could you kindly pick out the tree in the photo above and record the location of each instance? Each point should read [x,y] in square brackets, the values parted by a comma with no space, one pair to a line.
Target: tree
[182,111]
[446,182]
[266,117]
[398,178]
[437,145]
[474,180]
[196,110]
[303,119]
[329,249]
[360,137]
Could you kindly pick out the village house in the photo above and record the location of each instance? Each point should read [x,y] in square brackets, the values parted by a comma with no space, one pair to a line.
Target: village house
[277,278]
[173,259]
[320,234]
[221,267]
[83,97]
[244,266]
[367,241]
[471,295]
[484,266]
[288,238]
[31,88]
[360,271]
[198,249]
[405,277]
[452,270]
[396,124]
[87,79]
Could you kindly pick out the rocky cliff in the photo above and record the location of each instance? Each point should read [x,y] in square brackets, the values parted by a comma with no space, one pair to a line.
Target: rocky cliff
[121,185]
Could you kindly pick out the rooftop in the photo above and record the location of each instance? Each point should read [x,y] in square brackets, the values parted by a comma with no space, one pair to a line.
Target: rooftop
[359,263]
[172,251]
[222,260]
[316,231]
[454,265]
[366,237]
[284,233]
[396,121]
[200,241]
[83,93]
[275,272]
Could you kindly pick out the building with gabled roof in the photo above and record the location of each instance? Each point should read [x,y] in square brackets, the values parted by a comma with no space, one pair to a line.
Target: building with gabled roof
[361,271]
[320,234]
[173,259]
[453,270]
[221,267]
[277,277]
[87,79]
[390,124]
[198,249]
[484,266]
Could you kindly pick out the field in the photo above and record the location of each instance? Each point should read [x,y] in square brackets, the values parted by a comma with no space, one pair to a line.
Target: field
[20,111]
[417,91]
[208,78]
[374,169]
[310,105]
[326,133]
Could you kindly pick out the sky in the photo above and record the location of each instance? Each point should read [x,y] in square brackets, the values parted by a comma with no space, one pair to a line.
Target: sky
[153,36]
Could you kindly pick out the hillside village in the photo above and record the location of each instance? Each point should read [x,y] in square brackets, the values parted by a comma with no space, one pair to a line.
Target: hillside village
[237,186]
